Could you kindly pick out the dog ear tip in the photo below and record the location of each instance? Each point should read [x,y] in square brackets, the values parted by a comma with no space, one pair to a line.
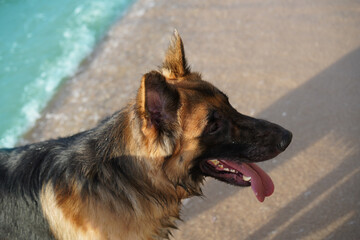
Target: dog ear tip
[176,33]
[175,38]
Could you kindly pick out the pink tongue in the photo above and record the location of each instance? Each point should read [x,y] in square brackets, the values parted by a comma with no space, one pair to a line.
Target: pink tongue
[261,183]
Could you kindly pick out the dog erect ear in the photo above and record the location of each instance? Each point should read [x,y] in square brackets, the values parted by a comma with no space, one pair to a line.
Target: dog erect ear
[158,101]
[175,64]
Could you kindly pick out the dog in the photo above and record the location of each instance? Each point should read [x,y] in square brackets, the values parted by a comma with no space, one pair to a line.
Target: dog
[126,178]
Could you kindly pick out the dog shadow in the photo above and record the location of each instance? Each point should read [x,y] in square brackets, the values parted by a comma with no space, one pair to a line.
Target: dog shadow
[328,103]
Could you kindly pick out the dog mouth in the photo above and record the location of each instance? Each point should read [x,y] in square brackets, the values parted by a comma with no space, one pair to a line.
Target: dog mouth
[240,174]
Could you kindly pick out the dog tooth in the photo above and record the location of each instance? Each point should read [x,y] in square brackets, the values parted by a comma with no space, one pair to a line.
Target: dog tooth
[221,166]
[246,178]
[215,162]
[232,170]
[226,169]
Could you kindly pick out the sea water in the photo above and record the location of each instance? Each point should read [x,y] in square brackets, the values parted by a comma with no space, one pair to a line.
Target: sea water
[41,43]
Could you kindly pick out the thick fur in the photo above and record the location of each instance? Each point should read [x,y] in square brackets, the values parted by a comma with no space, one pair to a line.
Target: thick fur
[125,178]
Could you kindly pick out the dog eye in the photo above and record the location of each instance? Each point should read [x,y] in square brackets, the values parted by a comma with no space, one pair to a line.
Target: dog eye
[213,128]
[214,123]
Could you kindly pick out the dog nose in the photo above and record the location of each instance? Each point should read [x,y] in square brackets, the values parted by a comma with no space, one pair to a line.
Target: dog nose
[285,141]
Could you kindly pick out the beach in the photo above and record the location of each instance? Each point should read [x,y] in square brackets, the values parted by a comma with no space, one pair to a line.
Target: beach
[293,63]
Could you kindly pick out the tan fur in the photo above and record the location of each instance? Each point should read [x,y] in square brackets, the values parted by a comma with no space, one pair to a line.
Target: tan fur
[188,149]
[73,218]
[168,74]
[61,223]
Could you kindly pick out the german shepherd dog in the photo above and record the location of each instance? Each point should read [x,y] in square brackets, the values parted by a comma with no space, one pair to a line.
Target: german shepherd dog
[125,178]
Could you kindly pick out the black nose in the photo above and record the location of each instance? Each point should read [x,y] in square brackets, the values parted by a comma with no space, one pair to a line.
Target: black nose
[285,141]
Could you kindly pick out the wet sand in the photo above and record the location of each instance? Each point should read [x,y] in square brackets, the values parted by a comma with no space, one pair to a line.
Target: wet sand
[294,63]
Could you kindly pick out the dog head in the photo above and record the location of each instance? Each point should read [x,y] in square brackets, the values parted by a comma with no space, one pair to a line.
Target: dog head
[190,124]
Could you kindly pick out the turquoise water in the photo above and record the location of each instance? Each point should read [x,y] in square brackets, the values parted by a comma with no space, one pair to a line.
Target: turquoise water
[41,43]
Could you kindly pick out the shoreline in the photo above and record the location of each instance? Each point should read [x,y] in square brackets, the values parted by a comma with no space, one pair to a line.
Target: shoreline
[47,60]
[66,88]
[62,91]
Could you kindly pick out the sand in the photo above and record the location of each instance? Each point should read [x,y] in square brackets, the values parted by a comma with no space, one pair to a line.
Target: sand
[296,63]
